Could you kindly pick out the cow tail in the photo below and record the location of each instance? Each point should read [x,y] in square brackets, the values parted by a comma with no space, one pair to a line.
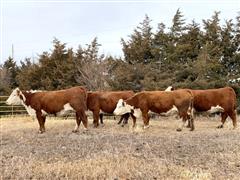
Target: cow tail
[191,105]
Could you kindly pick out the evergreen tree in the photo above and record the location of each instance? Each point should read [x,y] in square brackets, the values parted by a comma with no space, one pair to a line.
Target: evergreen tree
[28,76]
[12,71]
[212,36]
[138,48]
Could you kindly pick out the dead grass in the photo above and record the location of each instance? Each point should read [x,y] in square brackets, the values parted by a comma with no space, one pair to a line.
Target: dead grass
[113,152]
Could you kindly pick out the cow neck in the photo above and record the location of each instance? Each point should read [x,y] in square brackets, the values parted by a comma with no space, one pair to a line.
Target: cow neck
[130,101]
[28,96]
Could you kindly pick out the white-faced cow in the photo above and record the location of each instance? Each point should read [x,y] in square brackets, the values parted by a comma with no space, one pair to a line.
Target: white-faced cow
[158,102]
[106,101]
[222,100]
[40,104]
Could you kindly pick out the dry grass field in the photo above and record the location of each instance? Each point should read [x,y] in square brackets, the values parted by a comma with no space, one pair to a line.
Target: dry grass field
[114,152]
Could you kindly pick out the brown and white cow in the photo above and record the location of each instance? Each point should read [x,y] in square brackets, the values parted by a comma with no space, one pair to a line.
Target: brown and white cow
[222,100]
[40,104]
[158,102]
[106,101]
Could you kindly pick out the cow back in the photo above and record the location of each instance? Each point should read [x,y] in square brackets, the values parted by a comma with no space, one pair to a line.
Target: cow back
[205,99]
[106,100]
[54,101]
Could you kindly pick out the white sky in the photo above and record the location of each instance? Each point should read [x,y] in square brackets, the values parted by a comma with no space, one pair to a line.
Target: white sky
[31,25]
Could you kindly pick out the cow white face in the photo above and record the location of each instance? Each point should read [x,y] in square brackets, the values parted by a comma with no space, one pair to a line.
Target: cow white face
[122,108]
[15,98]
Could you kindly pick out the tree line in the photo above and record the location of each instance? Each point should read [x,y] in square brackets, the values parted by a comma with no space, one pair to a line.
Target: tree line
[186,55]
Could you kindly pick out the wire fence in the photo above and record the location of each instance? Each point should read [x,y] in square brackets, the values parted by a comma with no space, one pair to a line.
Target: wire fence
[6,110]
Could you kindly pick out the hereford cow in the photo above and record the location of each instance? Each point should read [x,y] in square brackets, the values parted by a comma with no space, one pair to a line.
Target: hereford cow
[106,101]
[158,102]
[222,100]
[40,104]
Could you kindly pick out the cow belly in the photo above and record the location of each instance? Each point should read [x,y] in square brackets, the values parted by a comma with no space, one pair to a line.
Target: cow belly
[170,112]
[215,109]
[67,108]
[209,110]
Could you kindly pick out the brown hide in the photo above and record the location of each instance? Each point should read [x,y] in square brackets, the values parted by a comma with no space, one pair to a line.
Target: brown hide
[53,102]
[162,101]
[224,97]
[105,101]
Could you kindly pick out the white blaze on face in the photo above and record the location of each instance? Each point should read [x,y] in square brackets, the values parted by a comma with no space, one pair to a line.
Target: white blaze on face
[14,98]
[122,108]
[215,109]
[171,112]
[67,108]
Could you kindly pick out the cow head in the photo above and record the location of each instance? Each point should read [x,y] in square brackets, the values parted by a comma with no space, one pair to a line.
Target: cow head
[122,108]
[16,97]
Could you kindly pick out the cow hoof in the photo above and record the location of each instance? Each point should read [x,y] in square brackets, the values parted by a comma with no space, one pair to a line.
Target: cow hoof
[75,131]
[85,131]
[146,127]
[95,125]
[220,126]
[179,129]
[192,129]
[40,132]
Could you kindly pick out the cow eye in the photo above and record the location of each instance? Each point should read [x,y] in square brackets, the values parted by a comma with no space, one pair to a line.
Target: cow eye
[123,104]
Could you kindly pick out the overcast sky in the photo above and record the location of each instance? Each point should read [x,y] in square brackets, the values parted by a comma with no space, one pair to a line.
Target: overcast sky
[31,25]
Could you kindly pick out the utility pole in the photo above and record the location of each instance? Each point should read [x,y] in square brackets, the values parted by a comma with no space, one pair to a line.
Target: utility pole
[12,52]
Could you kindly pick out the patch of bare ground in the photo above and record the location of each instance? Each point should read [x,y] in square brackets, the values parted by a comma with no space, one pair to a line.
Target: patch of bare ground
[114,152]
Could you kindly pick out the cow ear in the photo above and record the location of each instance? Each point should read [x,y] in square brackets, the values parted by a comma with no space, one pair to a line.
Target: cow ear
[18,92]
[132,111]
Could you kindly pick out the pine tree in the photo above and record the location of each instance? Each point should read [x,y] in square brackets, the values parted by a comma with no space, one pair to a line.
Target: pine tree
[12,71]
[212,36]
[138,48]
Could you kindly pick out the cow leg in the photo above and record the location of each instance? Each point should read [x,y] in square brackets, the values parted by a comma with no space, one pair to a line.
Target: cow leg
[84,119]
[78,121]
[184,117]
[95,118]
[224,116]
[125,119]
[189,124]
[101,118]
[44,120]
[120,121]
[145,120]
[233,116]
[191,120]
[41,121]
[134,120]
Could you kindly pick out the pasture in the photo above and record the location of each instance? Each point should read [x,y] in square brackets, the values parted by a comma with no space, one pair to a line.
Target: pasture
[114,152]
